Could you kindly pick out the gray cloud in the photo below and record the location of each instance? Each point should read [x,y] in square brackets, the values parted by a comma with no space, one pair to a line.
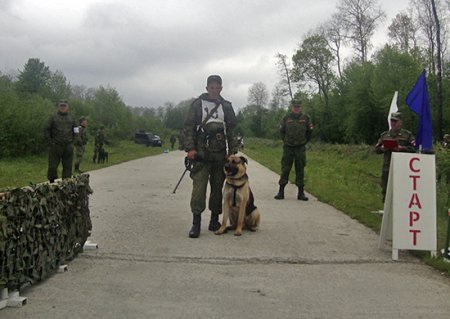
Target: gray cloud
[157,51]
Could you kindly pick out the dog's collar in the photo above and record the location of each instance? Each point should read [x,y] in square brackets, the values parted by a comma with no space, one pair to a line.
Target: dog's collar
[243,178]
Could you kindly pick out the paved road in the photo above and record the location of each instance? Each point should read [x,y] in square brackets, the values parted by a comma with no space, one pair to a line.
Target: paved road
[308,260]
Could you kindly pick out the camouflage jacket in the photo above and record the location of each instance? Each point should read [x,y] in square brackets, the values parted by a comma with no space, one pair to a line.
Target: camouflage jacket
[295,129]
[81,138]
[219,129]
[99,139]
[60,129]
[404,138]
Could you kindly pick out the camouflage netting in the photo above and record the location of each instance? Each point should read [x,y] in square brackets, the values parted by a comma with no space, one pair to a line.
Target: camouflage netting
[42,227]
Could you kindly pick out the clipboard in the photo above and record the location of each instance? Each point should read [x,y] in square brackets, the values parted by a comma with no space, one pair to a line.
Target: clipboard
[390,144]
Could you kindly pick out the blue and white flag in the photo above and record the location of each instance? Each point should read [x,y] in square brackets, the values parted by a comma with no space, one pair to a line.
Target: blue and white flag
[419,103]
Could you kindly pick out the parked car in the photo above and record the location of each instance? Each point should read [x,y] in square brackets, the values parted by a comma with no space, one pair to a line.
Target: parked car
[147,138]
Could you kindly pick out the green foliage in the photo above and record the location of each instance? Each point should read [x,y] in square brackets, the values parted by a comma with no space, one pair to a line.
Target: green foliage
[364,116]
[26,104]
[21,127]
[34,77]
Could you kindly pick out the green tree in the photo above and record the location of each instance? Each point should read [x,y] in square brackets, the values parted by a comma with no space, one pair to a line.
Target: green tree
[394,70]
[313,65]
[109,110]
[58,87]
[364,117]
[34,77]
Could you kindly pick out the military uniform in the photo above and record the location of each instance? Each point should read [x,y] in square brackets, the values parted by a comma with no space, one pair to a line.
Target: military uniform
[210,140]
[404,138]
[295,131]
[80,145]
[99,140]
[59,133]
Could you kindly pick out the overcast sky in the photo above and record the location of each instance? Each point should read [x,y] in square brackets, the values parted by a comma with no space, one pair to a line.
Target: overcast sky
[155,51]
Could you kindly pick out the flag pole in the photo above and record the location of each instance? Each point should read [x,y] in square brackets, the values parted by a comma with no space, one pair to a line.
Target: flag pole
[393,108]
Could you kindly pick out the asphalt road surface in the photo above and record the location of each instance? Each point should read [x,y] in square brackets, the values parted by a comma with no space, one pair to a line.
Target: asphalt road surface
[307,260]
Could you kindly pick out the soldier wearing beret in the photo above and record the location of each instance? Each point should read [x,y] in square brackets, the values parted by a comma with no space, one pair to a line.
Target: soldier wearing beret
[208,131]
[59,132]
[405,142]
[295,130]
[80,143]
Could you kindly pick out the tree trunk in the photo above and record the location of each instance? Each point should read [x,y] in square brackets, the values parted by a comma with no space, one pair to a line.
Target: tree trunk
[438,74]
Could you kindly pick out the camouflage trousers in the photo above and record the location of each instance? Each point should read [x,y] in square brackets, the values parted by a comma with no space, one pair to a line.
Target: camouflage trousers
[79,152]
[60,153]
[210,169]
[296,155]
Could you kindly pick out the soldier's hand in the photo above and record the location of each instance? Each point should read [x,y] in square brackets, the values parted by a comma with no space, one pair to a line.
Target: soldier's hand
[191,154]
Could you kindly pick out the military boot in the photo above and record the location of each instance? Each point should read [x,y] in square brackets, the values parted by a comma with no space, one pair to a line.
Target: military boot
[77,169]
[301,194]
[214,222]
[280,194]
[196,223]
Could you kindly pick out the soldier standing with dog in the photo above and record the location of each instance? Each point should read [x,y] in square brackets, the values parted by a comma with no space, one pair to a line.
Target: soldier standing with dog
[208,130]
[295,130]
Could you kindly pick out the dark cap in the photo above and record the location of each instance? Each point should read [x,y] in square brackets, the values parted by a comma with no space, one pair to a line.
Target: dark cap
[296,102]
[214,78]
[396,116]
[81,119]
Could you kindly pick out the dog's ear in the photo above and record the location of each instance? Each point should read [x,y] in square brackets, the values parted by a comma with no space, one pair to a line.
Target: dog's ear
[243,159]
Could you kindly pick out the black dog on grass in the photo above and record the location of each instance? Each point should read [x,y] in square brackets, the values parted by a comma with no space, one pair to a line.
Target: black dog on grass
[102,156]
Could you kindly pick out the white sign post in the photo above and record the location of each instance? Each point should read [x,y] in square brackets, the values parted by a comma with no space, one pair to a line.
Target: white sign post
[409,217]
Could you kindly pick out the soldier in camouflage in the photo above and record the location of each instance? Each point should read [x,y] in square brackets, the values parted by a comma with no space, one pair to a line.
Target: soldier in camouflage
[208,131]
[99,140]
[295,130]
[59,132]
[406,143]
[80,143]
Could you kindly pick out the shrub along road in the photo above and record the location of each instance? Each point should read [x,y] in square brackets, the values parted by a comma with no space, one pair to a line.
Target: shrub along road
[307,260]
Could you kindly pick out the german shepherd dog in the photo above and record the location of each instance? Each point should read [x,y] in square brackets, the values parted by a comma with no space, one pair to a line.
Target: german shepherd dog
[238,201]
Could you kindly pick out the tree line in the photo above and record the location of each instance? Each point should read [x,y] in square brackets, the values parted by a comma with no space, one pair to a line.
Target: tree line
[347,98]
[28,99]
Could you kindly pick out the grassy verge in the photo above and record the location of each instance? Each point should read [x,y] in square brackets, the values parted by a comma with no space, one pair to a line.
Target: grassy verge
[347,177]
[19,172]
